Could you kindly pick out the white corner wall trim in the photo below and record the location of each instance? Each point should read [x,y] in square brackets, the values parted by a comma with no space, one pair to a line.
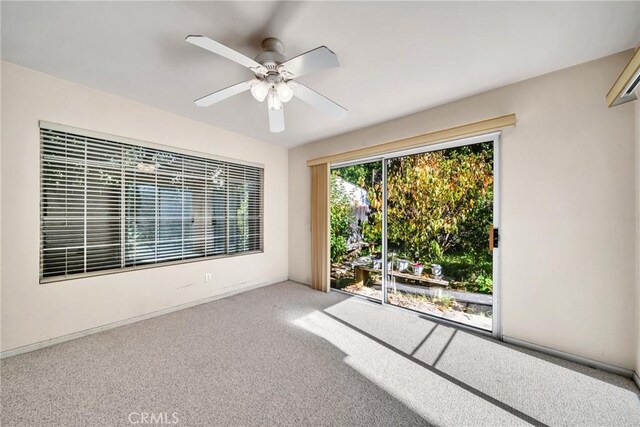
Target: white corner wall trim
[64,338]
[574,358]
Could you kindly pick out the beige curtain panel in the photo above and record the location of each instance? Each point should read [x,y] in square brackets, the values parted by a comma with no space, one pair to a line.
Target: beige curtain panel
[320,227]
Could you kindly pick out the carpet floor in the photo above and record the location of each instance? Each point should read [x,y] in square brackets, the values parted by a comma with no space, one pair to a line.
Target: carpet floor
[287,355]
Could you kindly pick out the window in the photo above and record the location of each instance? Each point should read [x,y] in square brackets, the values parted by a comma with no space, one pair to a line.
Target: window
[111,205]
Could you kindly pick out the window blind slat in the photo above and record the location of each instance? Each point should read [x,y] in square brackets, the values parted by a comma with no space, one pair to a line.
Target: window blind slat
[108,205]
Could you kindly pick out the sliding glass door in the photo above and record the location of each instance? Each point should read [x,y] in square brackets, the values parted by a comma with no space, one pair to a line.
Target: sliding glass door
[413,229]
[439,211]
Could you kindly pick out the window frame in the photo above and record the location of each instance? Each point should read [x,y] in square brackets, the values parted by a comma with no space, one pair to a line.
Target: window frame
[45,125]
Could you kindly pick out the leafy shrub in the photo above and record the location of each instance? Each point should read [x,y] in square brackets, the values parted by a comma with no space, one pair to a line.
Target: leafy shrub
[471,272]
[340,221]
[484,284]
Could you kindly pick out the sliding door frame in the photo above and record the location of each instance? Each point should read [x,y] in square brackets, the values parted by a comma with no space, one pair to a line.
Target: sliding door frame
[494,137]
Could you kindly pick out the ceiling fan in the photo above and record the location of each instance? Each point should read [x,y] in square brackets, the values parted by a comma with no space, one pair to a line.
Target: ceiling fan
[273,77]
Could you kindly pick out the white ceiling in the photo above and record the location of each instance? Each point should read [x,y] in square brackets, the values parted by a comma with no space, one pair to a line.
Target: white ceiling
[397,58]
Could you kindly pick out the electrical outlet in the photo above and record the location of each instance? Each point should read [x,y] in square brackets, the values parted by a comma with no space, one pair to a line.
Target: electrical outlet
[207,277]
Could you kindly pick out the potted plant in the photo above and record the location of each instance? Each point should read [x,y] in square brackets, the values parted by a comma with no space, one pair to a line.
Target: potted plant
[417,268]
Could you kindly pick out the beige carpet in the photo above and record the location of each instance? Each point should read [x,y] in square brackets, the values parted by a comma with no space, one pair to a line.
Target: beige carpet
[287,355]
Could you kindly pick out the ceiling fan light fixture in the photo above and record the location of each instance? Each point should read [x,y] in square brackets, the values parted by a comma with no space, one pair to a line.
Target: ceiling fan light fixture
[273,100]
[260,89]
[285,92]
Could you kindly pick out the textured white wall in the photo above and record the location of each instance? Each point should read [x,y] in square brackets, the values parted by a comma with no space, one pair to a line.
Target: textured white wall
[32,312]
[568,206]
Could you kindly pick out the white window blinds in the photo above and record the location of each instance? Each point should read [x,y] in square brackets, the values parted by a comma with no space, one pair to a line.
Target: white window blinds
[109,205]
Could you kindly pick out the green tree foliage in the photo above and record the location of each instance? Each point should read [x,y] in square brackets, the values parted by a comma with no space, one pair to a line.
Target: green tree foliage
[363,175]
[341,219]
[440,201]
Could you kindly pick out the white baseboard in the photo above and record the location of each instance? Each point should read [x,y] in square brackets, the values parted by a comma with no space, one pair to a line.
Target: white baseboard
[573,358]
[57,340]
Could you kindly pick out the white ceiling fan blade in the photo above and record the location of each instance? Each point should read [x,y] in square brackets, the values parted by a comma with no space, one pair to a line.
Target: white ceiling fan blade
[222,50]
[317,59]
[321,102]
[223,94]
[276,120]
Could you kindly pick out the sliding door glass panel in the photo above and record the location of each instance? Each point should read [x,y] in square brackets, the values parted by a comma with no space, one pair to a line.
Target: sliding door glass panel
[439,212]
[356,229]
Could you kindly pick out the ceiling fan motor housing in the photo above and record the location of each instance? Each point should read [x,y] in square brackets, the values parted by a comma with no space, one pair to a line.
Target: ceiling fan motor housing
[272,55]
